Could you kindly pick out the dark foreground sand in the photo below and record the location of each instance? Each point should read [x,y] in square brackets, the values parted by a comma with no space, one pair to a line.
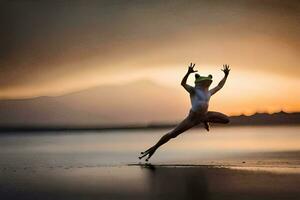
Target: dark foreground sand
[149,182]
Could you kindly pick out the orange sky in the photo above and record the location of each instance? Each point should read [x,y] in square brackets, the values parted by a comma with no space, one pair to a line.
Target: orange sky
[83,45]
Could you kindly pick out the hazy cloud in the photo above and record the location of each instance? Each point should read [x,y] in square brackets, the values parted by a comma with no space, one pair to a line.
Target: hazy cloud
[43,42]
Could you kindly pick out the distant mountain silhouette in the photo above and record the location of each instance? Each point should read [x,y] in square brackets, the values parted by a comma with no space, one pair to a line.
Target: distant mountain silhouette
[136,104]
[266,119]
[141,101]
[258,119]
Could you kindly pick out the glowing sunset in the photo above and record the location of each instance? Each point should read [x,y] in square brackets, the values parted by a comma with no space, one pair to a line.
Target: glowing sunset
[160,99]
[79,47]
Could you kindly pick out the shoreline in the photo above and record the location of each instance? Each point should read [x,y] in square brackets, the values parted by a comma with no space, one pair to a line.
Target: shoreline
[45,129]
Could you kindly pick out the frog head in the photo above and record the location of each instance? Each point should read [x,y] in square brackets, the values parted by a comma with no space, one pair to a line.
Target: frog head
[203,81]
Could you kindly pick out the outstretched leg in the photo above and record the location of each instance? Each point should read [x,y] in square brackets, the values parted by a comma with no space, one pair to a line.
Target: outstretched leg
[216,117]
[186,124]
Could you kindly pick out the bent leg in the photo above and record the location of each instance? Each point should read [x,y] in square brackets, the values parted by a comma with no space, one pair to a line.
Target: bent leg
[186,124]
[216,117]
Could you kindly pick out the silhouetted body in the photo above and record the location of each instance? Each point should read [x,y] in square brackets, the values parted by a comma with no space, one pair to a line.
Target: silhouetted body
[200,96]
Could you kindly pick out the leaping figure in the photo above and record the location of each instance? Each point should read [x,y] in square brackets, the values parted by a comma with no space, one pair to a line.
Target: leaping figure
[198,114]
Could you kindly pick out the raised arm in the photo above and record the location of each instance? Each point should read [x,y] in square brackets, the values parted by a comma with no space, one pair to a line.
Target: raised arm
[226,70]
[183,82]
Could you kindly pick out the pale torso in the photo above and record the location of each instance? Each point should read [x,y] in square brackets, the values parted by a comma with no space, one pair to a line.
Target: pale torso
[200,100]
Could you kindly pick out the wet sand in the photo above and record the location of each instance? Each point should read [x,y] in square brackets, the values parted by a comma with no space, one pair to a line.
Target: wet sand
[150,182]
[228,163]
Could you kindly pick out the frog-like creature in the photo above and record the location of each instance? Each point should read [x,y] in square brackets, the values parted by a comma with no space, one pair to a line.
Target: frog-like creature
[199,95]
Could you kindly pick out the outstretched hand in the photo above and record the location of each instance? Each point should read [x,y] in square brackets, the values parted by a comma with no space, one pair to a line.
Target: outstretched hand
[191,68]
[226,69]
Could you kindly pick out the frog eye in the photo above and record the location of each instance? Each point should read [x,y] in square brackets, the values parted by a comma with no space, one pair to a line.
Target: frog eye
[210,76]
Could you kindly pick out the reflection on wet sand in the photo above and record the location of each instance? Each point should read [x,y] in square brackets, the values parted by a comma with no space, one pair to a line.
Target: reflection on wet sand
[147,182]
[175,183]
[204,182]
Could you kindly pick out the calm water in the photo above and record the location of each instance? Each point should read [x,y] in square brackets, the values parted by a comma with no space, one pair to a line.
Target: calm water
[243,163]
[279,145]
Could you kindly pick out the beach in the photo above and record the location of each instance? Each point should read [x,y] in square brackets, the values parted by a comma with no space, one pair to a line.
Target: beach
[94,165]
[149,182]
[150,100]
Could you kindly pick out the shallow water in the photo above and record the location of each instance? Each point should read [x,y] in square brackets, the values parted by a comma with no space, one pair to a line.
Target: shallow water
[226,163]
[277,145]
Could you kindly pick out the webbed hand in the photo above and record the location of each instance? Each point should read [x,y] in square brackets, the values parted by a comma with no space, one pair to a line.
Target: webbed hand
[226,69]
[191,68]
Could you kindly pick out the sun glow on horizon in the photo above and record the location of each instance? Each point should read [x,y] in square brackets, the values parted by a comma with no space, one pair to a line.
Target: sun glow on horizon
[245,91]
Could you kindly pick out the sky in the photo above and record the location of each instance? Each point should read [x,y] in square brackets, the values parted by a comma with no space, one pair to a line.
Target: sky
[51,48]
